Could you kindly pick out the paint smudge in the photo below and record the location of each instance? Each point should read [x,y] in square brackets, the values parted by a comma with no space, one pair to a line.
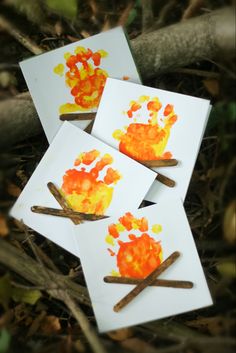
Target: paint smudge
[140,255]
[84,77]
[147,141]
[82,189]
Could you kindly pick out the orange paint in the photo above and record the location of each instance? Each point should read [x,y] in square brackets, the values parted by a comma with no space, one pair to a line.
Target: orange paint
[82,189]
[84,77]
[147,140]
[140,255]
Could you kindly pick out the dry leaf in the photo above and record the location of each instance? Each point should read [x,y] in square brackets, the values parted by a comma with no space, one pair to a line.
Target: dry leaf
[50,325]
[229,224]
[120,335]
[4,230]
[13,190]
[212,86]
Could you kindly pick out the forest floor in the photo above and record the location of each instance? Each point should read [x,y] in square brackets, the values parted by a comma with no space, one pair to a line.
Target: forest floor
[31,320]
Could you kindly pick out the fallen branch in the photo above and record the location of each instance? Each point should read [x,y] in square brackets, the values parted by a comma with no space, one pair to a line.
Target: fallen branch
[32,271]
[178,45]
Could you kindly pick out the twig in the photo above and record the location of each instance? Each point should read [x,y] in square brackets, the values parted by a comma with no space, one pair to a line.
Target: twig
[192,9]
[201,73]
[68,214]
[19,36]
[163,13]
[147,15]
[78,314]
[77,116]
[160,163]
[125,14]
[157,282]
[165,180]
[62,202]
[19,262]
[146,282]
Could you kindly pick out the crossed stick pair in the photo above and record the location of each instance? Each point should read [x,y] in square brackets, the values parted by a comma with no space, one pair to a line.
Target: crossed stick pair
[151,164]
[141,284]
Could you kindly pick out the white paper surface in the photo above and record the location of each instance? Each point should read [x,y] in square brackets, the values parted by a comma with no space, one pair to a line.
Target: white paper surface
[154,302]
[49,90]
[60,156]
[185,135]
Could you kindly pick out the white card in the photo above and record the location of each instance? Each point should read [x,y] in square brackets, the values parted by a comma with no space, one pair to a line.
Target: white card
[102,181]
[71,79]
[149,124]
[133,247]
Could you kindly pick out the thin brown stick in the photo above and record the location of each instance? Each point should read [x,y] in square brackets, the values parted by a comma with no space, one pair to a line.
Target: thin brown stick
[146,282]
[157,283]
[192,9]
[67,214]
[77,116]
[19,36]
[82,320]
[160,163]
[62,202]
[165,180]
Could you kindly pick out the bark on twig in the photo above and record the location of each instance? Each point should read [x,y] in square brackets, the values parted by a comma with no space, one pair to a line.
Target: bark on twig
[32,271]
[57,286]
[178,45]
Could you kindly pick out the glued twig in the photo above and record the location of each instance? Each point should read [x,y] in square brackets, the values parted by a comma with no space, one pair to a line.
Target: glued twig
[146,282]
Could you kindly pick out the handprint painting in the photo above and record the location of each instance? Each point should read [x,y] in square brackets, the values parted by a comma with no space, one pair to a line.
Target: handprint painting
[92,178]
[83,190]
[149,124]
[84,78]
[70,80]
[126,248]
[140,253]
[146,137]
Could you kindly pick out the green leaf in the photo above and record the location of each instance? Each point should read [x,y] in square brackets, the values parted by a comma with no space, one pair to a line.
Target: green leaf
[5,340]
[24,295]
[132,15]
[227,269]
[5,291]
[66,8]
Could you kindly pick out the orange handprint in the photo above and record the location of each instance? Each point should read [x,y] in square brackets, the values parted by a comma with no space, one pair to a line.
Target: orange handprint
[139,256]
[85,79]
[147,141]
[83,191]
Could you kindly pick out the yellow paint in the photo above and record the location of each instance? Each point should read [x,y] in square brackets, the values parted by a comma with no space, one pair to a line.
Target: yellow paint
[59,69]
[156,228]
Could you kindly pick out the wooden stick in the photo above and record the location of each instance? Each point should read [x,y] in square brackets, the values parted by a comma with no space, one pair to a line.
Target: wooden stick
[158,282]
[146,282]
[165,180]
[67,214]
[62,202]
[160,163]
[77,116]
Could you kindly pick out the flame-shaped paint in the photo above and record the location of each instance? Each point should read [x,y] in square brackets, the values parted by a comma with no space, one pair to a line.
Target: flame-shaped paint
[82,189]
[147,141]
[85,79]
[140,255]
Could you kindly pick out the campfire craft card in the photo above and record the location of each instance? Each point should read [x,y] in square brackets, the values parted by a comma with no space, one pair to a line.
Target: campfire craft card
[130,247]
[69,81]
[89,177]
[155,127]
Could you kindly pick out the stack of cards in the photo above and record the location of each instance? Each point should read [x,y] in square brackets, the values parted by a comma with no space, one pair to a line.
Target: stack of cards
[86,192]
